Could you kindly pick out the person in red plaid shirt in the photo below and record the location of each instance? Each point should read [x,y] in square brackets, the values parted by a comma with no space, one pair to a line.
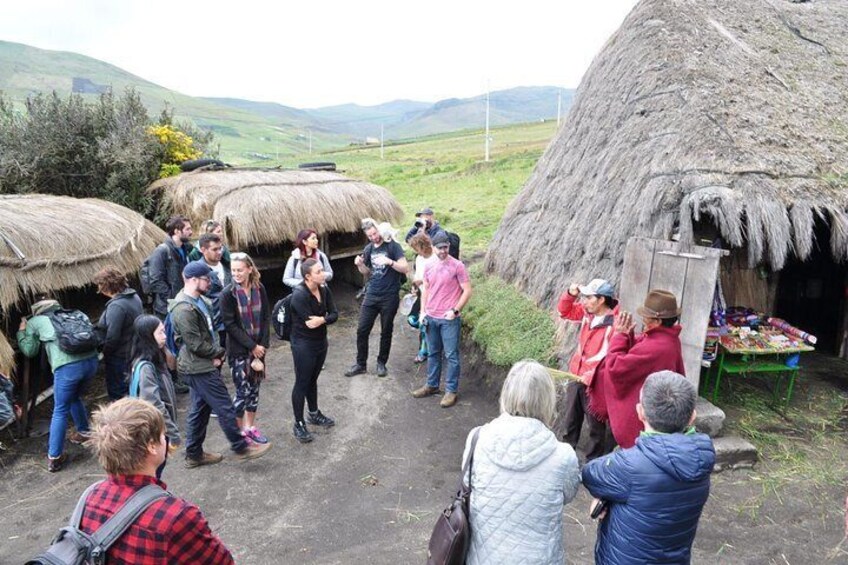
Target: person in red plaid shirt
[129,442]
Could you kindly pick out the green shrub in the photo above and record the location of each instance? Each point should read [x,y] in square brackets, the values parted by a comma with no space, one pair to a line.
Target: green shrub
[507,325]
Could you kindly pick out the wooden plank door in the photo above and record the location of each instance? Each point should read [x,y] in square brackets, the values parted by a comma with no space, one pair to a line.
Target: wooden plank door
[690,272]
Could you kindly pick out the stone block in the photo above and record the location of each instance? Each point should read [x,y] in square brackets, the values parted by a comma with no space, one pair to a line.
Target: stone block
[709,418]
[733,453]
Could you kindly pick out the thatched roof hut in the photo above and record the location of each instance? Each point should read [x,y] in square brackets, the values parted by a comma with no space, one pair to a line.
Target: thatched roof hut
[266,207]
[49,243]
[717,115]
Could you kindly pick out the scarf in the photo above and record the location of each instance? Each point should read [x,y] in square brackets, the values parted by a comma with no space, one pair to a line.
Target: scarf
[250,310]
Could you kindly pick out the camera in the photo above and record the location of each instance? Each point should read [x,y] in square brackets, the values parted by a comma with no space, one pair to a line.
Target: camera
[420,223]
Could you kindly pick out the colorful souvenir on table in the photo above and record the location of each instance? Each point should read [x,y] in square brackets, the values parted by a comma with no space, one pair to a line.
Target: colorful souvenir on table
[788,328]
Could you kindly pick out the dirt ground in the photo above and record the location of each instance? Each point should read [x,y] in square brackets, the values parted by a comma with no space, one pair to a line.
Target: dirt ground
[368,490]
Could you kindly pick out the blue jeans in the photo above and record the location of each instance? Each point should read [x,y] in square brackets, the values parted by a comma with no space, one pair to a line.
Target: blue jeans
[69,384]
[116,377]
[443,337]
[208,393]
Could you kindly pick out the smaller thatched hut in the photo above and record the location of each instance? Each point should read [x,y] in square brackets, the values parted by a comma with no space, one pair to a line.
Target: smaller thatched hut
[51,243]
[265,208]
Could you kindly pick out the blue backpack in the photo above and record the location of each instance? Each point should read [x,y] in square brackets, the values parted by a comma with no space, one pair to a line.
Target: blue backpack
[171,336]
[135,378]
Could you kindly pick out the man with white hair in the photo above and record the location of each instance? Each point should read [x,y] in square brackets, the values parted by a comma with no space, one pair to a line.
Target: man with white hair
[656,490]
[383,261]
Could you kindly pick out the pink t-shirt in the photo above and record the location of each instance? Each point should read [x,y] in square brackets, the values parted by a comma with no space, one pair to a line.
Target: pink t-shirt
[443,280]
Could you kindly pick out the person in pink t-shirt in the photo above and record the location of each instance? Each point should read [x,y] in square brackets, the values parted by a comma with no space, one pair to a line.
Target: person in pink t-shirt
[445,292]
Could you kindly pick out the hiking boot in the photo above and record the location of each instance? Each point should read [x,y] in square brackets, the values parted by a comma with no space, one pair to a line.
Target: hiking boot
[180,387]
[448,400]
[425,391]
[78,438]
[318,419]
[381,369]
[300,433]
[252,451]
[205,459]
[55,464]
[355,370]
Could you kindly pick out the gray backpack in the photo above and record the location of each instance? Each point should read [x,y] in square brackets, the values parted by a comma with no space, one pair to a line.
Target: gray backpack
[72,546]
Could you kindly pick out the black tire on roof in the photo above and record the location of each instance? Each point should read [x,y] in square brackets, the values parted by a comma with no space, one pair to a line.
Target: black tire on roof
[318,166]
[193,164]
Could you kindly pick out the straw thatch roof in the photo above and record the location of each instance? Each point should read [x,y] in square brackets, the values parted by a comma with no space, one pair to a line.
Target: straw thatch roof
[718,111]
[7,355]
[268,207]
[49,243]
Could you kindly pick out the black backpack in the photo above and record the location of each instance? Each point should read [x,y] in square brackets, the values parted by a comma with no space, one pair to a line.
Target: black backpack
[74,331]
[453,238]
[72,546]
[281,318]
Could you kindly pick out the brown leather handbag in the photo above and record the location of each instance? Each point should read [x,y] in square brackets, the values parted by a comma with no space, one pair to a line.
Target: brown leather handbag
[450,537]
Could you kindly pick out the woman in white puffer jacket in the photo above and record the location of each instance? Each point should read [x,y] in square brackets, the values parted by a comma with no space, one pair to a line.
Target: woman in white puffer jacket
[521,476]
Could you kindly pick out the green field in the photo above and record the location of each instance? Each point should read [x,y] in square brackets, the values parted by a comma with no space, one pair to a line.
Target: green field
[448,173]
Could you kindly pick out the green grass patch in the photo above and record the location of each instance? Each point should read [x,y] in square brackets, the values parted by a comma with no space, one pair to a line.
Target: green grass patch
[507,325]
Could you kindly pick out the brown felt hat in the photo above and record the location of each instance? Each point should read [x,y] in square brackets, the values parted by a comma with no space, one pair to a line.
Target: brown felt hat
[660,304]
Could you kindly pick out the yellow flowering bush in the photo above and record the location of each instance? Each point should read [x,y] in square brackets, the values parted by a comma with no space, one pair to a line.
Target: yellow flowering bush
[176,147]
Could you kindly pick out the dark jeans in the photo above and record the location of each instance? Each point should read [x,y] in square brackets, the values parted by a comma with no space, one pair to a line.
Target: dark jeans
[600,441]
[208,394]
[309,357]
[116,377]
[386,307]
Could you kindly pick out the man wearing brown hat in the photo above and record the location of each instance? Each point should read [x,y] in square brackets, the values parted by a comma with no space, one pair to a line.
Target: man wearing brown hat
[630,359]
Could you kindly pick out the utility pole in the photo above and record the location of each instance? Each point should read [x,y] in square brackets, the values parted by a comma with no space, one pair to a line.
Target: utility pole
[487,125]
[381,142]
[559,106]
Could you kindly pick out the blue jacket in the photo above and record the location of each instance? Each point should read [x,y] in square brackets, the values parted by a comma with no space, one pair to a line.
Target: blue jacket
[656,491]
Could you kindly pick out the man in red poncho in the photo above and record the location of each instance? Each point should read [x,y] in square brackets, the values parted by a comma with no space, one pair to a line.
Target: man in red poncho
[594,307]
[631,359]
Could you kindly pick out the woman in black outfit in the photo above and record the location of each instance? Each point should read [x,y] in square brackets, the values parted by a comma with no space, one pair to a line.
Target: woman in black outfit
[312,308]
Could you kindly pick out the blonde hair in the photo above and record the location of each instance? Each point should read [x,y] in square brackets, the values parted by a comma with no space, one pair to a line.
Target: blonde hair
[254,277]
[387,232]
[528,391]
[122,433]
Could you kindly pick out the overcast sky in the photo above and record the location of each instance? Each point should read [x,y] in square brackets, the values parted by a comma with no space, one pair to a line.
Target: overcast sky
[309,54]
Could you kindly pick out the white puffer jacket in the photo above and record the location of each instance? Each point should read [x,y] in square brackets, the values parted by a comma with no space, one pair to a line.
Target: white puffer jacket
[521,478]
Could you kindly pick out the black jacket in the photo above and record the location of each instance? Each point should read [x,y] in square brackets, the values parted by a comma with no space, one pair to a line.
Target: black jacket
[166,273]
[304,305]
[239,343]
[117,322]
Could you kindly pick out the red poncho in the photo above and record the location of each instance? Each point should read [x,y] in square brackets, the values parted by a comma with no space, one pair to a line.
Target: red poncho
[629,361]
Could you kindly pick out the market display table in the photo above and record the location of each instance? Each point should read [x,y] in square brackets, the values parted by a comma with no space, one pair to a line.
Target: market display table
[735,356]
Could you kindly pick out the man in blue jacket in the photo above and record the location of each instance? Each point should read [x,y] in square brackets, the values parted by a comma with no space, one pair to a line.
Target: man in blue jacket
[656,489]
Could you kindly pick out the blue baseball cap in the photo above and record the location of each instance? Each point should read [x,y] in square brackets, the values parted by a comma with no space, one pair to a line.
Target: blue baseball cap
[196,269]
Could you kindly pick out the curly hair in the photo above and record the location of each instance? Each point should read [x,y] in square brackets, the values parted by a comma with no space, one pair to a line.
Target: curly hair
[110,280]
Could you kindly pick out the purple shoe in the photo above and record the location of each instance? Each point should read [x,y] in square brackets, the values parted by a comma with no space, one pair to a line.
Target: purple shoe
[256,435]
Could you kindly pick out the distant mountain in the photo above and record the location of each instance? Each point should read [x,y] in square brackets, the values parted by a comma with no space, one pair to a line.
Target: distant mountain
[251,131]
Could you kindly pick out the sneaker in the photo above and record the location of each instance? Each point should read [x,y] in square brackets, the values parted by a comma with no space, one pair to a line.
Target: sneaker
[205,459]
[252,451]
[425,391]
[448,400]
[180,387]
[55,464]
[213,415]
[255,435]
[381,369]
[300,433]
[319,419]
[420,359]
[355,370]
[78,438]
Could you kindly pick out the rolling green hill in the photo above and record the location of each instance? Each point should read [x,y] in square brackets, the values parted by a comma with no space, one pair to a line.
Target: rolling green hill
[266,132]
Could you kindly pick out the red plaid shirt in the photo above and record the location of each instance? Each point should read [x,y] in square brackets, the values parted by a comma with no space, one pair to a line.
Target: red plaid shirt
[171,530]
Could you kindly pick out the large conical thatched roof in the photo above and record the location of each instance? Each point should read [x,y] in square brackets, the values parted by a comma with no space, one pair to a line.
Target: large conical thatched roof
[49,243]
[268,207]
[733,113]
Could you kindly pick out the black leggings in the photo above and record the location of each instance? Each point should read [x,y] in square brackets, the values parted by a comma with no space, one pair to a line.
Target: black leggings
[308,358]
